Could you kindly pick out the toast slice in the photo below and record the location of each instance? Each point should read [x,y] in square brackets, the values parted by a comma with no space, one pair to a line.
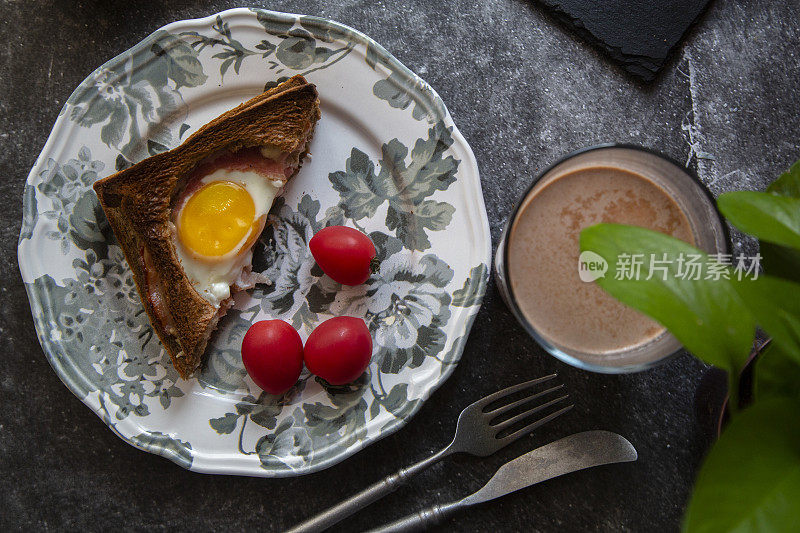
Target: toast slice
[139,203]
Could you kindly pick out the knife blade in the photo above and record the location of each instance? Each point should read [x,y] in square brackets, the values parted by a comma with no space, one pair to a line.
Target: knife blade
[570,454]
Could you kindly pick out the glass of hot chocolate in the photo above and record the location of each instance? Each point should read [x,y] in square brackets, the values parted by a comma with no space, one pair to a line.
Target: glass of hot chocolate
[536,265]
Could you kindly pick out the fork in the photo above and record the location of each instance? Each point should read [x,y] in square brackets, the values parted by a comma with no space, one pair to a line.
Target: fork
[478,432]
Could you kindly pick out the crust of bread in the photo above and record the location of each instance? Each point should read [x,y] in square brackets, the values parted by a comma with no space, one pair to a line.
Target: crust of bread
[138,204]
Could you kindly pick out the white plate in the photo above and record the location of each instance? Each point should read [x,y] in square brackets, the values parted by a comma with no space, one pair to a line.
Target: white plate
[387,159]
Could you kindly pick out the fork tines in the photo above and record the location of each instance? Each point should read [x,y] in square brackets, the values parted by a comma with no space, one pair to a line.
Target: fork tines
[501,424]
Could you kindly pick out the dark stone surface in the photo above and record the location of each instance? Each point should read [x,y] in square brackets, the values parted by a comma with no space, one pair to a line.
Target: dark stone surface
[637,34]
[523,91]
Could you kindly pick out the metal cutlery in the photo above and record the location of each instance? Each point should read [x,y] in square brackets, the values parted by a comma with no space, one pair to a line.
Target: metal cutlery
[480,430]
[570,454]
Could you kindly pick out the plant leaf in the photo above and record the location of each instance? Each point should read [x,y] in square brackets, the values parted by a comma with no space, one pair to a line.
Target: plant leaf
[775,304]
[706,315]
[776,375]
[780,261]
[769,217]
[750,480]
[788,183]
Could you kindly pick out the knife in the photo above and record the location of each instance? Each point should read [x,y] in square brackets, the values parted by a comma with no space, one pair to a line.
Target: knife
[570,454]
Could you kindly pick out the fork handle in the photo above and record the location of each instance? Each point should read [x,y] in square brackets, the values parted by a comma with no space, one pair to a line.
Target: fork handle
[419,521]
[358,501]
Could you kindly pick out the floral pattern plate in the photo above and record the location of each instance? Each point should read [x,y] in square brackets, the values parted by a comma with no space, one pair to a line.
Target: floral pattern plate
[387,159]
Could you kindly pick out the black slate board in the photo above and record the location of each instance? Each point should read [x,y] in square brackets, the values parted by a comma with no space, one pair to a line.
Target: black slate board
[637,34]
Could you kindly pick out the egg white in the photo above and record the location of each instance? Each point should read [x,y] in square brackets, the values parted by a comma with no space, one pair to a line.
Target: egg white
[212,277]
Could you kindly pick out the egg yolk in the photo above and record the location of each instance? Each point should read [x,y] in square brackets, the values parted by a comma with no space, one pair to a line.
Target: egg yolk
[216,218]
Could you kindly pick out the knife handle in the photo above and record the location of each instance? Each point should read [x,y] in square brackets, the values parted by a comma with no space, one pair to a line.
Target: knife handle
[358,501]
[419,521]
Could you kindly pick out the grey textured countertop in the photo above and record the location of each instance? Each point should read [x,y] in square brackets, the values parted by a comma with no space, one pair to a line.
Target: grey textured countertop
[523,91]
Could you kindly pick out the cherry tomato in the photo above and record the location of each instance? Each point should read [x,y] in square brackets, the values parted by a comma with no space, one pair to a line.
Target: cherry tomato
[339,349]
[272,353]
[345,254]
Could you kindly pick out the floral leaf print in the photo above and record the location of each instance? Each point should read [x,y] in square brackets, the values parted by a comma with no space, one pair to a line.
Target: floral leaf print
[89,228]
[225,424]
[411,226]
[180,61]
[321,29]
[124,368]
[405,187]
[297,50]
[343,422]
[232,51]
[300,291]
[407,311]
[376,55]
[276,25]
[289,446]
[67,187]
[138,95]
[391,91]
[405,306]
[161,444]
[30,212]
[263,411]
[397,398]
[400,89]
[474,287]
[359,188]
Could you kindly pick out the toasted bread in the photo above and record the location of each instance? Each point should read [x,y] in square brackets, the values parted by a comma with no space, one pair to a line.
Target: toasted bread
[138,203]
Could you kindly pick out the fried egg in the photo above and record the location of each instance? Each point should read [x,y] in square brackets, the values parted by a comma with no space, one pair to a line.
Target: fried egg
[219,217]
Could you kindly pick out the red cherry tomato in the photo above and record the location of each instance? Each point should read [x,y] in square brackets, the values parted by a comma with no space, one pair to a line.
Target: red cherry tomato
[339,350]
[345,254]
[272,353]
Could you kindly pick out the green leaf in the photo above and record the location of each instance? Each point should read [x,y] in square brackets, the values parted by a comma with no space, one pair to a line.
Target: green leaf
[776,375]
[769,217]
[788,183]
[750,480]
[707,316]
[780,261]
[775,304]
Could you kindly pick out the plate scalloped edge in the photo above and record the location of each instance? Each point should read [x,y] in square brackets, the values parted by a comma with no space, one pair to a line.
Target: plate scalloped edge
[401,80]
